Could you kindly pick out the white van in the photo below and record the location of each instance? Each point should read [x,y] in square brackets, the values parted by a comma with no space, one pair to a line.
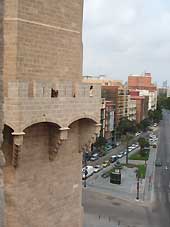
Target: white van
[90,171]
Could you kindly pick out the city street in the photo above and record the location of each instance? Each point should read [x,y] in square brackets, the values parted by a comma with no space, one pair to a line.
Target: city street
[102,210]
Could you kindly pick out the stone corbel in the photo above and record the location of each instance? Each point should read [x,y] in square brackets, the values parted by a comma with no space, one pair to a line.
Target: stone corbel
[87,145]
[62,137]
[17,144]
[64,133]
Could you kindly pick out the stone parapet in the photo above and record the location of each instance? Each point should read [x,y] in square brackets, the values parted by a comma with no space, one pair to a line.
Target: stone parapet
[60,102]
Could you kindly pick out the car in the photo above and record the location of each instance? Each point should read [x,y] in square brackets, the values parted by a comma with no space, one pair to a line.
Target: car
[137,133]
[105,164]
[105,175]
[94,157]
[133,146]
[155,124]
[130,149]
[120,155]
[158,163]
[113,158]
[118,164]
[87,171]
[118,144]
[125,152]
[154,145]
[97,168]
[108,147]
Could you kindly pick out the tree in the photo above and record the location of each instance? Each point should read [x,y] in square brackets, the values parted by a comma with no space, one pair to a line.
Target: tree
[155,115]
[126,139]
[127,128]
[100,142]
[143,143]
[144,124]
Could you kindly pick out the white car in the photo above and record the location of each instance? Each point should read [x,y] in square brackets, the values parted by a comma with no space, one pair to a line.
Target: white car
[133,146]
[138,133]
[97,168]
[87,171]
[120,155]
[130,149]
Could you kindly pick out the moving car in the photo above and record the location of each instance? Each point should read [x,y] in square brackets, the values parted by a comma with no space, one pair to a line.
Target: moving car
[105,175]
[158,163]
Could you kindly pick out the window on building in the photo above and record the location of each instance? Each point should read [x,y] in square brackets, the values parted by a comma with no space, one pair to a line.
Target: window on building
[54,93]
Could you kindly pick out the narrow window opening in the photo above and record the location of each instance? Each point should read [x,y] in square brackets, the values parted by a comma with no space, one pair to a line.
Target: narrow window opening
[91,91]
[54,93]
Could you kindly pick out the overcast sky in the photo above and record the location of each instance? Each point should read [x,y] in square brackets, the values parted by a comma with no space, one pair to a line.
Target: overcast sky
[123,37]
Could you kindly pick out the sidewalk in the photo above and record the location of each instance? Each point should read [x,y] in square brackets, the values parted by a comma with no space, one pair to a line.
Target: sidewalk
[126,190]
[149,178]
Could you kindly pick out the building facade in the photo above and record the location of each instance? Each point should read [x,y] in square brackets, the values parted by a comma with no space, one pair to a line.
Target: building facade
[46,127]
[119,95]
[109,120]
[131,109]
[145,86]
[141,105]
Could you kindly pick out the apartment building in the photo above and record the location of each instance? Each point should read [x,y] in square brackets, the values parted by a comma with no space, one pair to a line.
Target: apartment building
[131,109]
[143,83]
[141,105]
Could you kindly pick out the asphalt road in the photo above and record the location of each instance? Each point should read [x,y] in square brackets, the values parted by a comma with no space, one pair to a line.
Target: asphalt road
[162,175]
[104,211]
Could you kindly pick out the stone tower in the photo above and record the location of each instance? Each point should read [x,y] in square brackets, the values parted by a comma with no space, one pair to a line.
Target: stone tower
[50,115]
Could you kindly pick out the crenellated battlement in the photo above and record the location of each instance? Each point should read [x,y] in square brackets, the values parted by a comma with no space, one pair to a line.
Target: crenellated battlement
[54,89]
[61,102]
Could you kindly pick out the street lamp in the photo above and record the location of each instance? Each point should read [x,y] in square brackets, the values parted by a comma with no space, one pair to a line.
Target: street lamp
[85,167]
[137,176]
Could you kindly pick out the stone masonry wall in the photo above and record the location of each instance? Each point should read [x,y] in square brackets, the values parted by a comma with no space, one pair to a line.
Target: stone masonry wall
[43,39]
[21,111]
[42,193]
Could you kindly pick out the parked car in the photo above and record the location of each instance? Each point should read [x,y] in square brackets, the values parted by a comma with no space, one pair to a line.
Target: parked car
[118,164]
[137,133]
[120,155]
[87,171]
[108,147]
[125,152]
[130,149]
[113,158]
[97,168]
[106,163]
[94,157]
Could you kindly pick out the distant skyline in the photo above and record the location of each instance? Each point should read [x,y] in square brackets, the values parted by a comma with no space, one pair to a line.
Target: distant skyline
[127,37]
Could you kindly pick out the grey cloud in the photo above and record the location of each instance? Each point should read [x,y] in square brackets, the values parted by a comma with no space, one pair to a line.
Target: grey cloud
[123,37]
